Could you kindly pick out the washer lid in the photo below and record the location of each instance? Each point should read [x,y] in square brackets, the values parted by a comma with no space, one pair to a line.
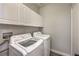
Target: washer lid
[34,46]
[16,38]
[37,33]
[31,47]
[42,36]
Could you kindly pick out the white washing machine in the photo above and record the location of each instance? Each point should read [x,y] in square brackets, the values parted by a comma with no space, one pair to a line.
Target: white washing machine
[25,45]
[46,40]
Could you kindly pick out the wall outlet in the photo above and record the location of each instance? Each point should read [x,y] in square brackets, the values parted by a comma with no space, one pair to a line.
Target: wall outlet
[7,35]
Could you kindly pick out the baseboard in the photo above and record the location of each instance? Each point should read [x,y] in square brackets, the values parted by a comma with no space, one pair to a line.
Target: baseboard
[61,53]
[76,54]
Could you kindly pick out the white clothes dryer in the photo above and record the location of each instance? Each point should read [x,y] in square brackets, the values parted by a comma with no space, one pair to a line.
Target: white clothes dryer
[46,40]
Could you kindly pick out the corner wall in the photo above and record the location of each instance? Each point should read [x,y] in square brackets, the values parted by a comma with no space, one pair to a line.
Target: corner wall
[57,23]
[75,28]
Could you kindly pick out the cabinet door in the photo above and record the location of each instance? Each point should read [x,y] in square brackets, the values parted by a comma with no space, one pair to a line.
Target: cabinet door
[2,10]
[27,16]
[31,18]
[20,14]
[10,11]
[23,14]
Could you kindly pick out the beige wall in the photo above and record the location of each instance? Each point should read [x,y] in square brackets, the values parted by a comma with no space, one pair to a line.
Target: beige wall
[75,28]
[57,22]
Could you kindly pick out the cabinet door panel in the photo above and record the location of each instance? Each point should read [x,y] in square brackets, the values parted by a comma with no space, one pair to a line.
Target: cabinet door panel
[23,14]
[2,10]
[11,10]
[20,14]
[27,15]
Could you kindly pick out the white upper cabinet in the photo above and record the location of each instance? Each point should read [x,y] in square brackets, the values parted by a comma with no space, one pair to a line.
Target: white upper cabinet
[1,11]
[32,18]
[11,13]
[19,14]
[23,14]
[8,11]
[28,17]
